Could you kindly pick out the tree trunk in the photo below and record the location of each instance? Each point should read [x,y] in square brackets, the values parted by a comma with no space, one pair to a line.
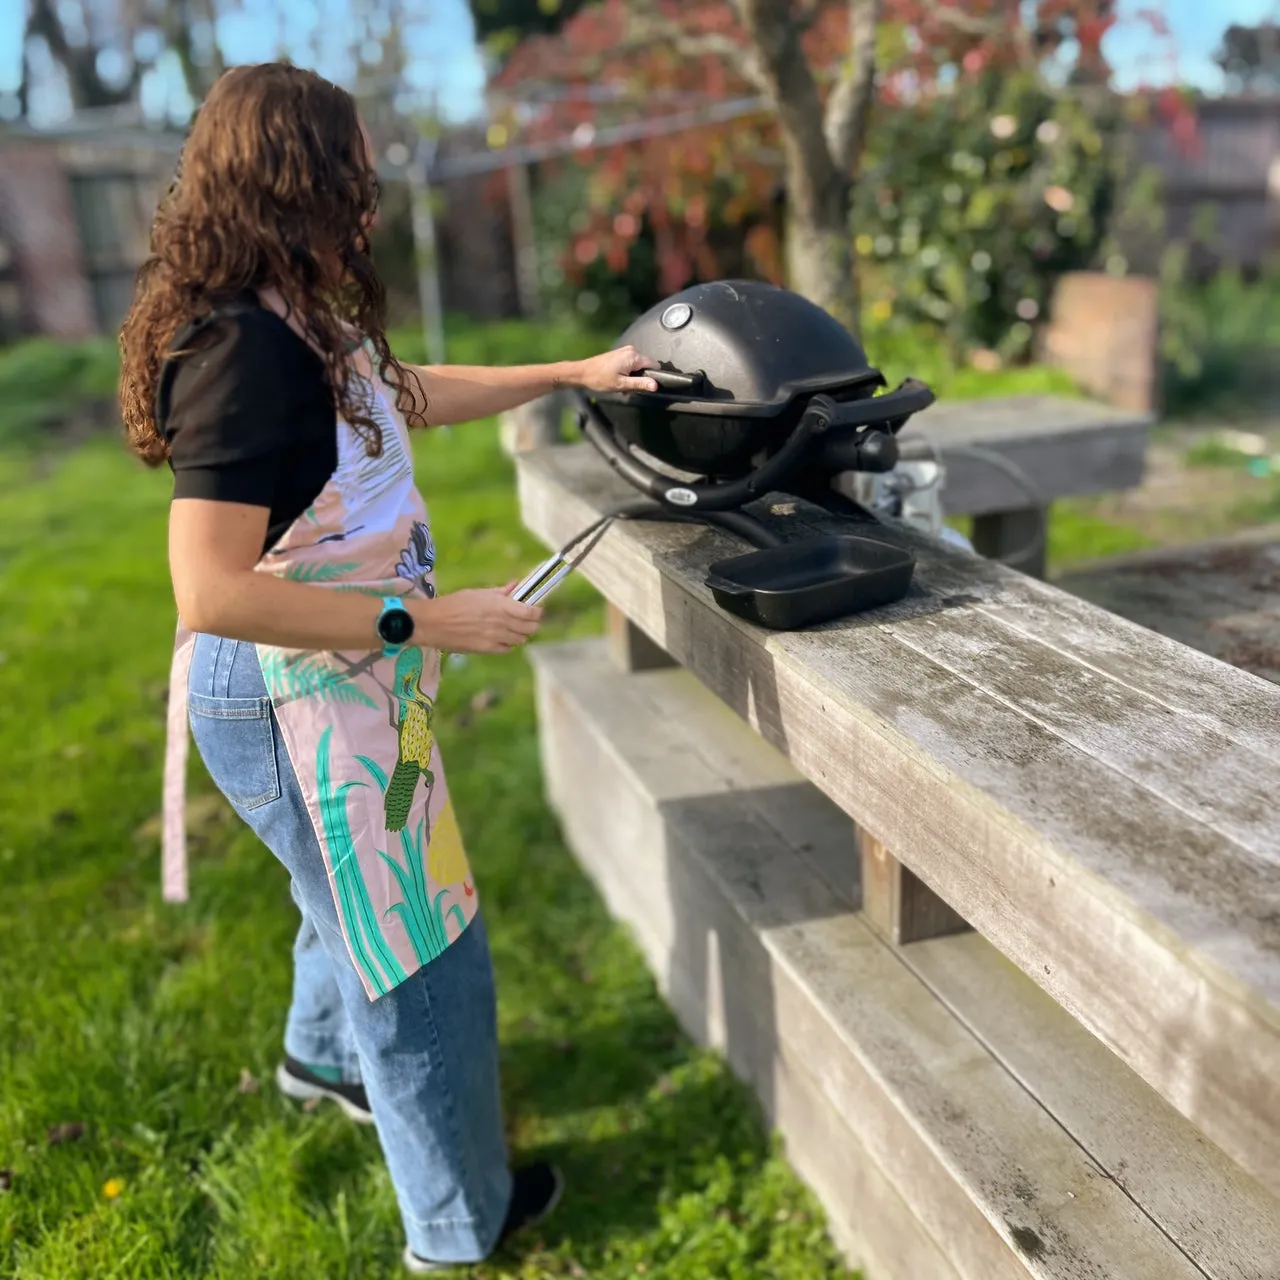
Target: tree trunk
[821,263]
[24,85]
[198,70]
[823,147]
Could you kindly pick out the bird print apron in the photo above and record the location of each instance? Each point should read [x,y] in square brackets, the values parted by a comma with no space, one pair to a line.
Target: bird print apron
[358,726]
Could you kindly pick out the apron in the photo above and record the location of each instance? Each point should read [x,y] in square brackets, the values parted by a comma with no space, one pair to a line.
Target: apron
[358,727]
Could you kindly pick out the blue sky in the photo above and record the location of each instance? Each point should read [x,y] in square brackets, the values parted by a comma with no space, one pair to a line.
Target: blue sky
[440,35]
[1197,28]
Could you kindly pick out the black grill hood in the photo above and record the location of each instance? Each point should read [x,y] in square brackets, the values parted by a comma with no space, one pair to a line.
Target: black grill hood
[750,349]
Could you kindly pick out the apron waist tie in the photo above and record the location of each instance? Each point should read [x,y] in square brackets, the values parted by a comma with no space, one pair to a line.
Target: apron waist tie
[173,840]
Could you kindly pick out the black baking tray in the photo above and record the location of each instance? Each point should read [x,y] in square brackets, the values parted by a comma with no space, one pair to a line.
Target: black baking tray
[811,580]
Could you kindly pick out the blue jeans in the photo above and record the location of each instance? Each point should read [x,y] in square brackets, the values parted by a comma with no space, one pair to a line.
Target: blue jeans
[427,1051]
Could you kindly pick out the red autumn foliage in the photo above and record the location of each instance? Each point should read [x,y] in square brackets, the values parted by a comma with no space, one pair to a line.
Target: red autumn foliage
[700,187]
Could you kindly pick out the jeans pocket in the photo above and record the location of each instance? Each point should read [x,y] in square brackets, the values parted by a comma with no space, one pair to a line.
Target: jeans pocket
[236,739]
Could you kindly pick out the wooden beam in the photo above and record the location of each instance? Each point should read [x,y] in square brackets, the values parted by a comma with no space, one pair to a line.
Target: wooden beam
[524,239]
[1002,535]
[1154,1153]
[1093,798]
[629,647]
[896,903]
[535,425]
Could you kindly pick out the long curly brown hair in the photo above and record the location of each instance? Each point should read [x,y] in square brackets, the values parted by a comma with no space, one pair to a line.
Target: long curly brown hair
[274,188]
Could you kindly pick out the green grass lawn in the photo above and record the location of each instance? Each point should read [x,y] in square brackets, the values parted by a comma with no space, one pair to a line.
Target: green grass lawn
[135,1141]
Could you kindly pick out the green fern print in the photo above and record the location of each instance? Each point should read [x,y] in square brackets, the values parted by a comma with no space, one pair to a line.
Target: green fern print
[309,678]
[372,952]
[424,918]
[325,571]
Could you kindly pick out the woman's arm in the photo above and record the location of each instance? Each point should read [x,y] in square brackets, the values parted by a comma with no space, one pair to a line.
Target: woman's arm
[463,393]
[213,547]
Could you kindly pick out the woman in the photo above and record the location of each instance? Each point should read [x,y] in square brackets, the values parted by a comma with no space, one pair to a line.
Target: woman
[256,364]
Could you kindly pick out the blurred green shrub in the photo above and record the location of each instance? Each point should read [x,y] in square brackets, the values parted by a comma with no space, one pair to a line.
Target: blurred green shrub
[974,202]
[1220,339]
[43,382]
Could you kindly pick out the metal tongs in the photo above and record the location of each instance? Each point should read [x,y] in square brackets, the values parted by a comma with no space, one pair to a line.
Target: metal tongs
[552,572]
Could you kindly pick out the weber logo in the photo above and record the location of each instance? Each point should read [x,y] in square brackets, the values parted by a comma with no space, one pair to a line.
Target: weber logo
[681,497]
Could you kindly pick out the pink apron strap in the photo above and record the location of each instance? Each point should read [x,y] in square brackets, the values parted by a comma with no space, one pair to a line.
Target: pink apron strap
[173,841]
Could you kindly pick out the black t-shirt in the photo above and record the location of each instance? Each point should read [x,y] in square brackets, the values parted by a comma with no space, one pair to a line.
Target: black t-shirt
[248,416]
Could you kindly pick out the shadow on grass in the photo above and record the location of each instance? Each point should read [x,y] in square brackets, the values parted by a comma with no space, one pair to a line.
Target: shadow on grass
[605,1066]
[694,1121]
[334,1160]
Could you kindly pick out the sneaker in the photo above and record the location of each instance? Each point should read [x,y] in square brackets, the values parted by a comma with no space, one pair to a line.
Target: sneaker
[535,1191]
[296,1080]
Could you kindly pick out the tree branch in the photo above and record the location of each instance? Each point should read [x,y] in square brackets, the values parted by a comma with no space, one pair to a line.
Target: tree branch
[45,23]
[650,27]
[965,23]
[998,26]
[787,79]
[80,63]
[849,106]
[180,16]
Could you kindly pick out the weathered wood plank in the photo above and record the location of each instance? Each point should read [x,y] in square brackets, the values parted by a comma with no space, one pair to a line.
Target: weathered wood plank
[878,1233]
[1064,446]
[1012,417]
[1153,1153]
[1195,768]
[534,425]
[763,962]
[1189,682]
[1157,931]
[897,904]
[1220,597]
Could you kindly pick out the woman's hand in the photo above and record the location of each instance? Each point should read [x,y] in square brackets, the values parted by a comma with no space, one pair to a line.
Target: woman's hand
[612,370]
[476,621]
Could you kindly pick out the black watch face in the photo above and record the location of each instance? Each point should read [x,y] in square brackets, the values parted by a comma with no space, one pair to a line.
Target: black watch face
[395,626]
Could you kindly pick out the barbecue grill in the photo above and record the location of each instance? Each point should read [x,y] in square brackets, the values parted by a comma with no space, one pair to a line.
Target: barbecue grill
[759,392]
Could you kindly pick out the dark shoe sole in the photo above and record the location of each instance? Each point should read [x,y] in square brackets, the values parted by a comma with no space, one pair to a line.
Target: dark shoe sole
[305,1091]
[422,1266]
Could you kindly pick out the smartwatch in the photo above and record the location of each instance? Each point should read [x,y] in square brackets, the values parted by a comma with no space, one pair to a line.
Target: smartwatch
[394,625]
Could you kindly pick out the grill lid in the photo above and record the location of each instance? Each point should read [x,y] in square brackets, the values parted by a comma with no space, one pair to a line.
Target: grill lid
[746,348]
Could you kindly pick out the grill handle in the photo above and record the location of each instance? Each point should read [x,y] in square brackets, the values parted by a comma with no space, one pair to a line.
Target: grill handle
[673,380]
[891,409]
[703,495]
